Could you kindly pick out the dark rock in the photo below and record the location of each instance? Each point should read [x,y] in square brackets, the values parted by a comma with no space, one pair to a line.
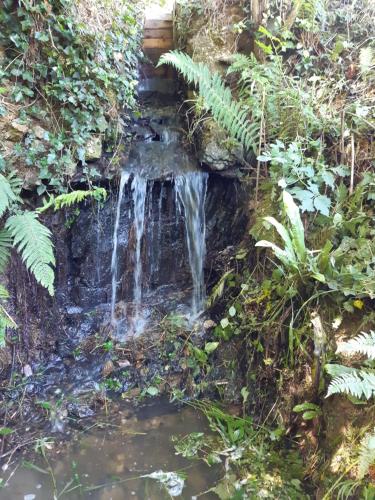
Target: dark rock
[79,410]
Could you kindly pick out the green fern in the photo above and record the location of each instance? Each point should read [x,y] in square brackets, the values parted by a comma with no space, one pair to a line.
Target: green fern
[227,112]
[33,241]
[358,383]
[6,242]
[7,196]
[366,454]
[69,199]
[355,382]
[363,344]
[366,59]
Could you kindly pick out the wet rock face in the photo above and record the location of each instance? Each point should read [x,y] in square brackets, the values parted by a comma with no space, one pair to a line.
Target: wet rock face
[214,149]
[83,247]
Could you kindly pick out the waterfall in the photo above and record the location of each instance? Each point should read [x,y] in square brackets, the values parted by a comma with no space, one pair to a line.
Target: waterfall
[191,191]
[190,196]
[124,180]
[139,188]
[98,239]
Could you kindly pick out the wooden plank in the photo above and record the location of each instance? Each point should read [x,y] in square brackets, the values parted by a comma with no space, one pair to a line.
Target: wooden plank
[165,34]
[155,24]
[160,17]
[157,43]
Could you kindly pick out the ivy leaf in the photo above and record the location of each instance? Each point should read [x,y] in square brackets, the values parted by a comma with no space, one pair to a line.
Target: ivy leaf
[51,158]
[322,203]
[42,37]
[211,347]
[102,124]
[224,322]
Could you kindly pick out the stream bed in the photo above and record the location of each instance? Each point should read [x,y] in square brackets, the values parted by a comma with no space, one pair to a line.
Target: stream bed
[106,458]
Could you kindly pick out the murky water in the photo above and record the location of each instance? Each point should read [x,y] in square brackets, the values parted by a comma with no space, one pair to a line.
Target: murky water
[107,458]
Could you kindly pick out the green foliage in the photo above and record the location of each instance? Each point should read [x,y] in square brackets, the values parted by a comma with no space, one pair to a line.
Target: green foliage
[74,70]
[69,199]
[366,456]
[33,240]
[218,99]
[359,383]
[294,255]
[254,461]
[309,410]
[324,266]
[362,344]
[7,195]
[308,179]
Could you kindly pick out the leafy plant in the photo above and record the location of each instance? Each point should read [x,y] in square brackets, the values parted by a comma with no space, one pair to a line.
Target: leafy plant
[360,383]
[69,199]
[294,256]
[307,179]
[33,240]
[325,266]
[218,99]
[309,410]
[72,68]
[366,456]
[355,382]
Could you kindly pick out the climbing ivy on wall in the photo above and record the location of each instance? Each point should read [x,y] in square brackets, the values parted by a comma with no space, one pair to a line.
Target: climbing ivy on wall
[70,67]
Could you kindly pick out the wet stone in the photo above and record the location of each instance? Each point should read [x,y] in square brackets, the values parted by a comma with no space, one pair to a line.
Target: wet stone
[79,410]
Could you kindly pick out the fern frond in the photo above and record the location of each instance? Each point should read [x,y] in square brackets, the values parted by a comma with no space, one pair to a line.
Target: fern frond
[6,242]
[69,199]
[218,98]
[336,370]
[363,344]
[33,240]
[366,454]
[4,294]
[366,59]
[240,62]
[358,383]
[16,184]
[6,194]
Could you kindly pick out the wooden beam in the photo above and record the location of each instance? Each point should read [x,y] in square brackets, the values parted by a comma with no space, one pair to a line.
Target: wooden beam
[157,43]
[161,17]
[156,24]
[165,34]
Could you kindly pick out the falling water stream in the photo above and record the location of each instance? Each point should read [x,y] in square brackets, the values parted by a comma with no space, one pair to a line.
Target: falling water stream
[124,180]
[191,189]
[139,188]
